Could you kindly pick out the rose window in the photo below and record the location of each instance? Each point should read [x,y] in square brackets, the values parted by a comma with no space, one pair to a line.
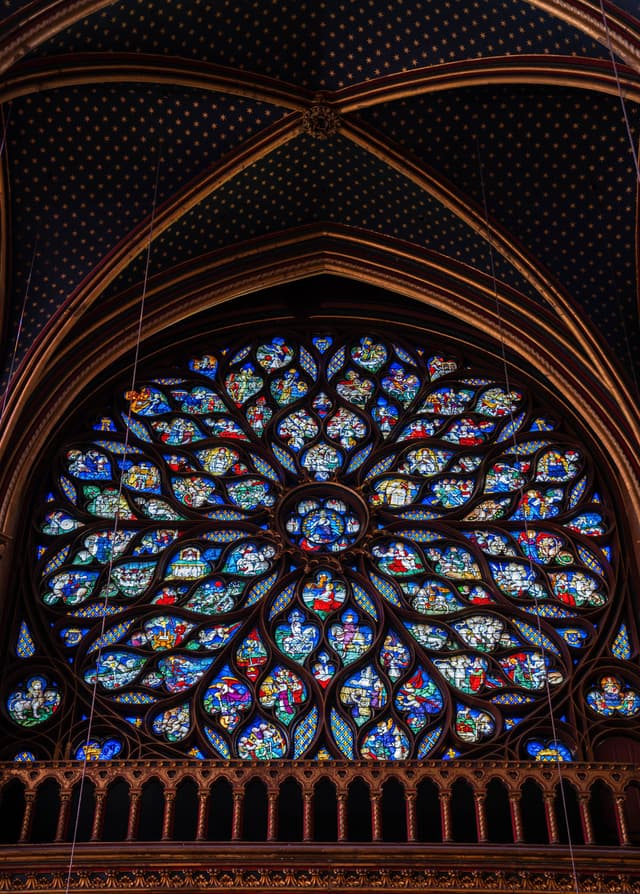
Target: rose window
[316,547]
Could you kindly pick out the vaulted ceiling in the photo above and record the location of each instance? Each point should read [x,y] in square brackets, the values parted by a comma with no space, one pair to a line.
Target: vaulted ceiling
[413,123]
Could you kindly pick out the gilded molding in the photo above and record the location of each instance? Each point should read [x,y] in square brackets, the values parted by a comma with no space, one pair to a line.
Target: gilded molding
[316,878]
[559,71]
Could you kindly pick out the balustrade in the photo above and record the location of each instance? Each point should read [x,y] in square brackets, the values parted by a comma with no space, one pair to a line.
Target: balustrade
[439,802]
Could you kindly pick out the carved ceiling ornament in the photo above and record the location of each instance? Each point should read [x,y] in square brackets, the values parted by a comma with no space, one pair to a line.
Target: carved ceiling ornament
[320,121]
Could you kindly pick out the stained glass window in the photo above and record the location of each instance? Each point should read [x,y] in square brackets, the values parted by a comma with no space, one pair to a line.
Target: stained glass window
[312,546]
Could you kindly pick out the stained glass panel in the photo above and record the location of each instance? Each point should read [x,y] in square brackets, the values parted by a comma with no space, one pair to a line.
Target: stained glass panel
[313,546]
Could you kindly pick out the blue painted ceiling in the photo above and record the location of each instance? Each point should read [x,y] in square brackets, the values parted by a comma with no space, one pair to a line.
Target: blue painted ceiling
[541,120]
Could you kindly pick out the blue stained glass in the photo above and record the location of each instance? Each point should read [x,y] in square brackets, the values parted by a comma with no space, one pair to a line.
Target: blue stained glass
[289,388]
[364,694]
[97,610]
[205,365]
[308,363]
[404,355]
[368,354]
[34,702]
[226,515]
[243,384]
[387,741]
[621,646]
[174,724]
[105,424]
[256,593]
[542,424]
[275,355]
[227,699]
[296,429]
[281,601]
[284,458]
[363,601]
[242,353]
[320,525]
[135,698]
[473,725]
[137,428]
[403,386]
[342,734]
[322,343]
[439,366]
[590,560]
[68,489]
[575,637]
[510,722]
[450,754]
[98,750]
[147,401]
[577,492]
[385,589]
[548,611]
[525,448]
[534,636]
[283,692]
[324,592]
[71,636]
[297,639]
[304,733]
[385,416]
[57,560]
[381,466]
[336,363]
[419,535]
[419,514]
[261,740]
[511,428]
[356,389]
[264,468]
[111,636]
[548,751]
[322,755]
[511,699]
[418,698]
[429,742]
[218,742]
[25,647]
[359,458]
[118,447]
[348,638]
[25,757]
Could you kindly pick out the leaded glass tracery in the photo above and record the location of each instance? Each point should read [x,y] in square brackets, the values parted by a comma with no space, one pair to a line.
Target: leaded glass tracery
[314,545]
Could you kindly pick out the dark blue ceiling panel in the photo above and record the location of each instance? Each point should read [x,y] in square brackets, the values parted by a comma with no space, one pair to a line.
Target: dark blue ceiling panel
[310,181]
[325,44]
[83,165]
[559,175]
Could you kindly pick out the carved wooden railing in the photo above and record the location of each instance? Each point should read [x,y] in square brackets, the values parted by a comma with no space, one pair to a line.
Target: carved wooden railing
[407,802]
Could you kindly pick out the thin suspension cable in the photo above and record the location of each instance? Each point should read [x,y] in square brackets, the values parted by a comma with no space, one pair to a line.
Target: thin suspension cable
[634,155]
[614,65]
[5,131]
[520,490]
[114,533]
[16,344]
